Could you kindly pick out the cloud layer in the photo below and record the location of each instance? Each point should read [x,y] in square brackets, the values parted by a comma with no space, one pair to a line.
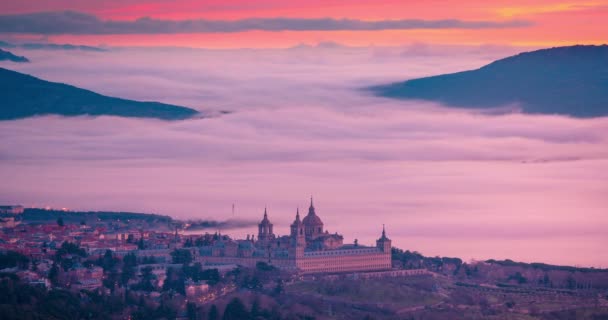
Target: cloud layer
[444,181]
[71,22]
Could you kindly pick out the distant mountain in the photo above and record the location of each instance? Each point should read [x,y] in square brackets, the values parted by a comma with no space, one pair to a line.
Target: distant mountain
[25,96]
[36,215]
[565,80]
[4,44]
[6,55]
[50,46]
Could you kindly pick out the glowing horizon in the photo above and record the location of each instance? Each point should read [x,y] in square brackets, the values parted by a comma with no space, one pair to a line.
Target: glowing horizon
[513,23]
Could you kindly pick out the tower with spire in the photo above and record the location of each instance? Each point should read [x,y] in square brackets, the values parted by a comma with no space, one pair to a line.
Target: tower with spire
[298,237]
[265,233]
[384,243]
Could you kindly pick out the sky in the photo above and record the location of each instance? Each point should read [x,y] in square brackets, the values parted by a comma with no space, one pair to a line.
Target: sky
[280,85]
[280,24]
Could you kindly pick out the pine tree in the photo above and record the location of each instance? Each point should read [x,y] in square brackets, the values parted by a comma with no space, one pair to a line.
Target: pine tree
[255,308]
[213,313]
[191,310]
[54,274]
[235,310]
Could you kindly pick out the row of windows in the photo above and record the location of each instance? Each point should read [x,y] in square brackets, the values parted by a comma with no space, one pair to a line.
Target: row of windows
[342,252]
[343,268]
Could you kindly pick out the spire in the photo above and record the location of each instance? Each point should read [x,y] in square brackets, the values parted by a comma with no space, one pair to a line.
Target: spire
[297,221]
[384,237]
[311,209]
[265,221]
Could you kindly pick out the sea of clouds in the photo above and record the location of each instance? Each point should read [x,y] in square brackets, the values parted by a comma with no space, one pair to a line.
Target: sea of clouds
[283,124]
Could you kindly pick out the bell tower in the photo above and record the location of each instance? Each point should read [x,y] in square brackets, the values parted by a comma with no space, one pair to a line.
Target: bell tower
[265,233]
[298,237]
[384,243]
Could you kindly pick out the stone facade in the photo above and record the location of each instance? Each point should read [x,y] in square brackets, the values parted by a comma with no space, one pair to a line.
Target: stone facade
[308,249]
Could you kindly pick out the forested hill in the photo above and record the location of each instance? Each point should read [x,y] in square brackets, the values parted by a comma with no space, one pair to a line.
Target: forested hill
[565,80]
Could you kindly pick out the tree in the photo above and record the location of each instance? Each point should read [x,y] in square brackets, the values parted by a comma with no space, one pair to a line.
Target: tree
[107,261]
[213,313]
[235,310]
[12,259]
[196,273]
[183,256]
[278,289]
[71,249]
[188,243]
[54,274]
[110,280]
[146,280]
[140,244]
[191,310]
[547,281]
[255,308]
[571,282]
[174,281]
[60,221]
[128,267]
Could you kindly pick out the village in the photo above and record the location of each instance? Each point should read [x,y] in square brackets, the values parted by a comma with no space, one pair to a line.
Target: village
[144,268]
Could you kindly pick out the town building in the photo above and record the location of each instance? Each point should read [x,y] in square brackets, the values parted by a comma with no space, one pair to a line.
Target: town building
[309,248]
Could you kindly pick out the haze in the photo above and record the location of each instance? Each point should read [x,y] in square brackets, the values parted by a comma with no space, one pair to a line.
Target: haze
[285,124]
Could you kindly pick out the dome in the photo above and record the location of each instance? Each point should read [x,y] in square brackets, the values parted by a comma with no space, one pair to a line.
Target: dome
[312,220]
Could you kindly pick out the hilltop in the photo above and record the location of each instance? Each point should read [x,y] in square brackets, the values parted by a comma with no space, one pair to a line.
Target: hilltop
[569,81]
[26,96]
[7,55]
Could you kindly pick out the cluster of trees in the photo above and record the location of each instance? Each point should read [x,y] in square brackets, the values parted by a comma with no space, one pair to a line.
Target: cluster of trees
[145,283]
[204,240]
[12,259]
[415,260]
[122,271]
[181,256]
[69,248]
[235,310]
[38,215]
[22,301]
[518,277]
[542,266]
[196,273]
[69,254]
[117,271]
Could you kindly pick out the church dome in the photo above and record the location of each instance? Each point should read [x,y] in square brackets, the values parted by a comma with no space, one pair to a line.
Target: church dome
[312,219]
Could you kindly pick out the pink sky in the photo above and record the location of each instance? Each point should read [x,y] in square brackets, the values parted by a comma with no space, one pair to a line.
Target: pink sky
[551,22]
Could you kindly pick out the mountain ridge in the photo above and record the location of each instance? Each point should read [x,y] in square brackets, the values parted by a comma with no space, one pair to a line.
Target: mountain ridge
[569,81]
[26,96]
[9,56]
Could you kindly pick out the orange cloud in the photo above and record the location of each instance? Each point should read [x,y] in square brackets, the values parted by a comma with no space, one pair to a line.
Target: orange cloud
[509,12]
[555,22]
